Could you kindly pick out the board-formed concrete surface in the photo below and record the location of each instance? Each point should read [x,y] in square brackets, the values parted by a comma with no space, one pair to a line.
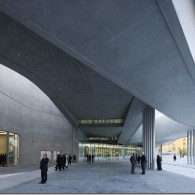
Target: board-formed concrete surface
[101,177]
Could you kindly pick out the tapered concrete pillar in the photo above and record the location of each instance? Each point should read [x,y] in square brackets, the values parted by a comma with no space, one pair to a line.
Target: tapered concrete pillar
[188,146]
[149,136]
[191,147]
[7,149]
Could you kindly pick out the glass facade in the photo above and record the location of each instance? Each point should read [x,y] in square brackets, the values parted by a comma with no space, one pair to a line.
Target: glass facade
[106,152]
[9,149]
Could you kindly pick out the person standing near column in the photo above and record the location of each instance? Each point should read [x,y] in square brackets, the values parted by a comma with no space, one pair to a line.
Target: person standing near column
[143,163]
[44,168]
[133,163]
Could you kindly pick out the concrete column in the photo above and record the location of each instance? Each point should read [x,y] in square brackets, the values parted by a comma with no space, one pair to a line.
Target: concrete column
[188,150]
[7,149]
[149,136]
[123,152]
[190,147]
[73,137]
[193,146]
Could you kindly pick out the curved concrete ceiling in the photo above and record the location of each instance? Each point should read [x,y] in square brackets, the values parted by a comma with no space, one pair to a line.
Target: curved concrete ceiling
[111,51]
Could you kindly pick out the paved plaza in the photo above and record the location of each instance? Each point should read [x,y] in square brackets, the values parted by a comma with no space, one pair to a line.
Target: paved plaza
[101,177]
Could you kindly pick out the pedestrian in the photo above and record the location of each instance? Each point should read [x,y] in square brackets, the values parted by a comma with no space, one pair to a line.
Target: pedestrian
[69,159]
[89,158]
[59,162]
[44,168]
[174,157]
[92,157]
[159,163]
[143,163]
[133,163]
[138,159]
[64,161]
[74,158]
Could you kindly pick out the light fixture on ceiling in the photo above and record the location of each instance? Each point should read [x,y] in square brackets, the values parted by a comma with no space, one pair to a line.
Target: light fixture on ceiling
[18,54]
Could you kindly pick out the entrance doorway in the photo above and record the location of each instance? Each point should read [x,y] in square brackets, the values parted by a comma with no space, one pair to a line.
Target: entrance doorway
[9,149]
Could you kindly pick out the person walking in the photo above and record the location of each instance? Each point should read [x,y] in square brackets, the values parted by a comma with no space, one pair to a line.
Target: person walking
[44,168]
[59,162]
[174,157]
[133,164]
[159,161]
[143,163]
[64,157]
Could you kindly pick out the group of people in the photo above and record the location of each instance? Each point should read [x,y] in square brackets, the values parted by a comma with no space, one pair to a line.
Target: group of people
[137,160]
[62,162]
[3,160]
[90,158]
[134,162]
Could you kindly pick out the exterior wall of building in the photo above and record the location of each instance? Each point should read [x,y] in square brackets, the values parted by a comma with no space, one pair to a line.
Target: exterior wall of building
[26,110]
[178,147]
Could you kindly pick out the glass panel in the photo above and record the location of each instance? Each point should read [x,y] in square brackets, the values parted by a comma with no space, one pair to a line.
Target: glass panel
[11,149]
[16,149]
[104,152]
[3,141]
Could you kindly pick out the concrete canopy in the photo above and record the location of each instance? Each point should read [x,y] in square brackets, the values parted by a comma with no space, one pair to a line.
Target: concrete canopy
[102,59]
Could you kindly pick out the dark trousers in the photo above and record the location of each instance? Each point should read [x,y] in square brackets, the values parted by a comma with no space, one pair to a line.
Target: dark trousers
[143,168]
[159,168]
[132,168]
[58,166]
[43,175]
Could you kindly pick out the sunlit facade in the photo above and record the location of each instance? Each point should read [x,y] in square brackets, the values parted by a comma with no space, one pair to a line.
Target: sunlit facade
[178,147]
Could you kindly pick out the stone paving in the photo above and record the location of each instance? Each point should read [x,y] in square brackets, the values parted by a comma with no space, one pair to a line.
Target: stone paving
[100,177]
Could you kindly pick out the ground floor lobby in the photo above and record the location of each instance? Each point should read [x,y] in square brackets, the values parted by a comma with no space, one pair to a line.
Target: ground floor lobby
[99,177]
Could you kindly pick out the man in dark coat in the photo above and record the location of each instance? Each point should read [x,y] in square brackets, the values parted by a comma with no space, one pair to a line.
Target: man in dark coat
[158,161]
[44,168]
[133,163]
[64,162]
[69,159]
[59,162]
[143,163]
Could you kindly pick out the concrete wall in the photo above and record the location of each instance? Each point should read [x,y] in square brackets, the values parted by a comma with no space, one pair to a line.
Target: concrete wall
[26,110]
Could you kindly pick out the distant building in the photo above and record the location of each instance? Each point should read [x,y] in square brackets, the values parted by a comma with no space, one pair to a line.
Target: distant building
[178,147]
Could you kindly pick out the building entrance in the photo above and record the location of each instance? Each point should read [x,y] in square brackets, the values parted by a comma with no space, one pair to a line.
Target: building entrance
[106,152]
[9,149]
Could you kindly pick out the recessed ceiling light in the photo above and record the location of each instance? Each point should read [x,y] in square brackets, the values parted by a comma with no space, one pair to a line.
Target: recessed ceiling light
[18,53]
